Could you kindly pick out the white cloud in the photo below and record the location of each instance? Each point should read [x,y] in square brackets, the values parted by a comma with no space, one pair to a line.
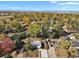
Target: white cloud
[65,8]
[68,3]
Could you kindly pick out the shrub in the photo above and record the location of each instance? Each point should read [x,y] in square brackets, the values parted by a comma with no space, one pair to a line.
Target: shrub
[73,52]
[30,47]
[6,46]
[15,25]
[20,36]
[19,44]
[8,56]
[2,37]
[65,49]
[34,29]
[14,37]
[45,31]
[26,20]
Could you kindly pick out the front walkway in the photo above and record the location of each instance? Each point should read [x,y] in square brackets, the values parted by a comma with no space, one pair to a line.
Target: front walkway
[43,53]
[51,52]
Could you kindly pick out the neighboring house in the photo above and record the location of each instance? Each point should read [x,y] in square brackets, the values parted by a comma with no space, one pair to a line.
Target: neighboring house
[10,34]
[76,44]
[36,43]
[71,37]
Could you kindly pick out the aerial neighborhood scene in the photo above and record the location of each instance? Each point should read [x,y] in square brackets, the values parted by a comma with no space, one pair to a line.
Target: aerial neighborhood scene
[45,29]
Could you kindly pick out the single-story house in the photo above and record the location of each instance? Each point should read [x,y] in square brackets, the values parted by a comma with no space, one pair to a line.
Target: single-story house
[36,43]
[70,37]
[76,44]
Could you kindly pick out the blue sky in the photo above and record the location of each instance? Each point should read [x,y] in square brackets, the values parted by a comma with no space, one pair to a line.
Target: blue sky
[40,6]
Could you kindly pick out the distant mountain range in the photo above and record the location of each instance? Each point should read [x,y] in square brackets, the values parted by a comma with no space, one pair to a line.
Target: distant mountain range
[40,11]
